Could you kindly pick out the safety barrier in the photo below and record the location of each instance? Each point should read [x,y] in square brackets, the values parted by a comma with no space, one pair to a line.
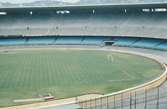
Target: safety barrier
[145,96]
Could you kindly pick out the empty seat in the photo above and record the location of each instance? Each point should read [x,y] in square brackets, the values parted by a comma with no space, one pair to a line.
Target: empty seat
[147,43]
[93,41]
[68,40]
[124,41]
[41,40]
[12,41]
[162,46]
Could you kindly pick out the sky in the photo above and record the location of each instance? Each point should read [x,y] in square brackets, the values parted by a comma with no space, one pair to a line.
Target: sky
[25,1]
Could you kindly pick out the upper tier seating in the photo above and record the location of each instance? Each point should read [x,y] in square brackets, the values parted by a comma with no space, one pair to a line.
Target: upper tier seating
[132,24]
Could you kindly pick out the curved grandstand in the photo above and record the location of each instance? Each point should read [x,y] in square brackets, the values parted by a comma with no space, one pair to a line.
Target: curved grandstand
[136,29]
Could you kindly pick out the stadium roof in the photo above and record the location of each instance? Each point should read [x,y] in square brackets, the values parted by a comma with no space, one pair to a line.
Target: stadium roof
[124,5]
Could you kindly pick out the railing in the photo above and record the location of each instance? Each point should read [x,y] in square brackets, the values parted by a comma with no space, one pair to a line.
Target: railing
[150,95]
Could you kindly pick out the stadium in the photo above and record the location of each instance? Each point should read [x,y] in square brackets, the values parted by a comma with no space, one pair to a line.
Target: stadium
[84,57]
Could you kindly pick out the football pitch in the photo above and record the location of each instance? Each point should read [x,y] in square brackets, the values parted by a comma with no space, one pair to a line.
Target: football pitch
[67,73]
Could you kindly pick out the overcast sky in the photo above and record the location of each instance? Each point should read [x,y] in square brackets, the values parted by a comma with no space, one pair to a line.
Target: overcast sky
[23,1]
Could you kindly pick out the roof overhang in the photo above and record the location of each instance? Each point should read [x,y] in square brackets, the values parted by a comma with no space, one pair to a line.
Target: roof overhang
[85,7]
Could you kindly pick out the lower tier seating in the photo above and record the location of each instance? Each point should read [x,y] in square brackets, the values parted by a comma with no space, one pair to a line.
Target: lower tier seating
[162,46]
[124,41]
[68,41]
[86,40]
[147,43]
[141,43]
[12,41]
[36,40]
[93,40]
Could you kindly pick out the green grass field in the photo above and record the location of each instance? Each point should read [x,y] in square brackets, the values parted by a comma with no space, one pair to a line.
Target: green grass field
[26,74]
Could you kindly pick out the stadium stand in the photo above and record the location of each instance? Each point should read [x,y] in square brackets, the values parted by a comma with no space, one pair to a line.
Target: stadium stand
[141,42]
[12,41]
[162,46]
[105,21]
[147,43]
[151,43]
[38,40]
[124,41]
[68,41]
[93,40]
